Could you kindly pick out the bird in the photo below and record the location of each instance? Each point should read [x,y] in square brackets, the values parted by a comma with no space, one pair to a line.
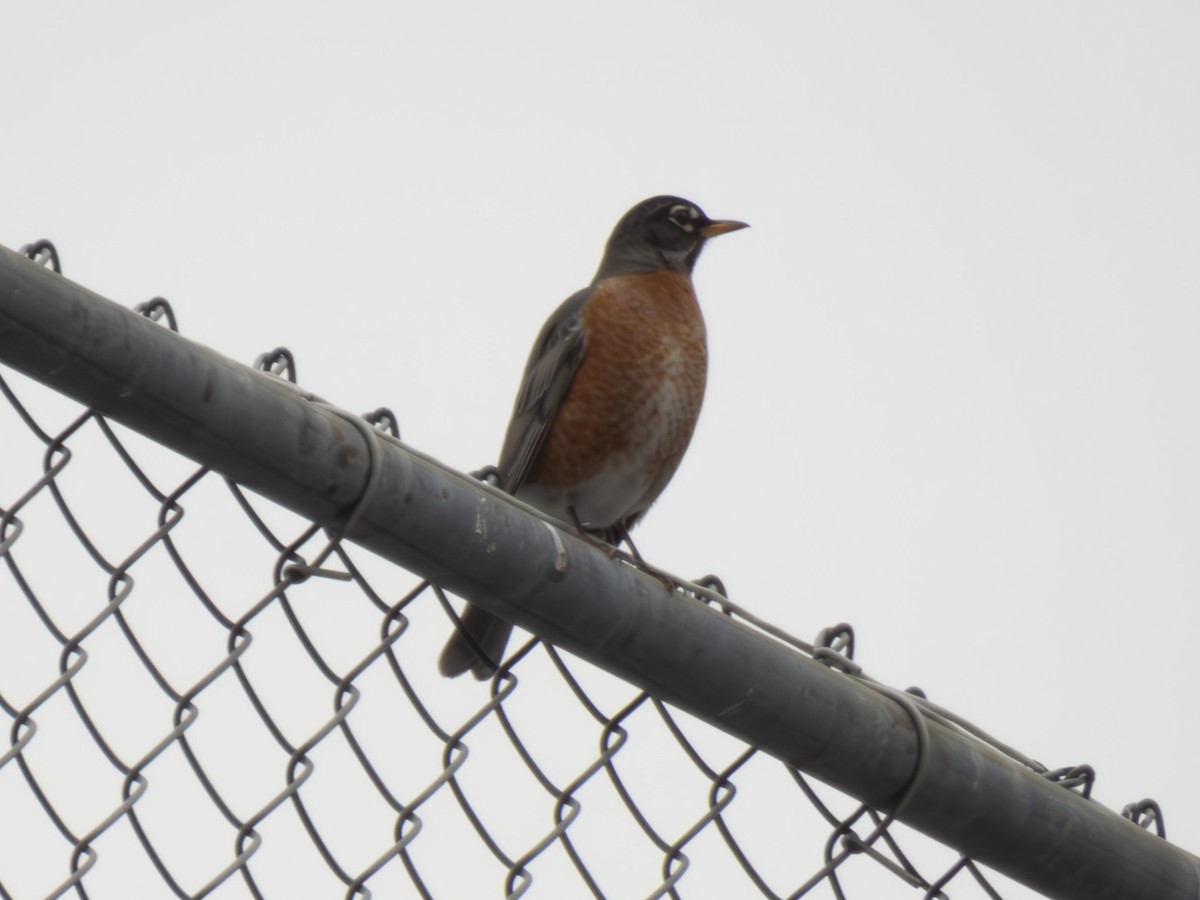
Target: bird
[609,398]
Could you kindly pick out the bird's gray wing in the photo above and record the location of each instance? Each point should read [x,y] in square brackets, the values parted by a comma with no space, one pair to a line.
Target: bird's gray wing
[552,365]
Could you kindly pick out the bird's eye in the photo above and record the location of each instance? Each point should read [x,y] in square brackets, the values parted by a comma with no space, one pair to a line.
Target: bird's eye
[684,217]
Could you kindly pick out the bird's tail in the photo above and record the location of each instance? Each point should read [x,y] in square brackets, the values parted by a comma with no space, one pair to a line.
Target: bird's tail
[461,654]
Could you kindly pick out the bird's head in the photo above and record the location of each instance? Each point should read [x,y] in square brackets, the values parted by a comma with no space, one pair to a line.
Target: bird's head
[660,233]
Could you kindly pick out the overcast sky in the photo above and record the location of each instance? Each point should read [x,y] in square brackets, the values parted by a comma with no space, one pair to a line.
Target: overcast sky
[953,364]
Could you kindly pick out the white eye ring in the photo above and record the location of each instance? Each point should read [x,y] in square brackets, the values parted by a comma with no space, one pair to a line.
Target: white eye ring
[684,217]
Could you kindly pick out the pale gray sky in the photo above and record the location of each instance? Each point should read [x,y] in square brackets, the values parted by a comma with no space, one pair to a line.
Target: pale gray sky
[954,370]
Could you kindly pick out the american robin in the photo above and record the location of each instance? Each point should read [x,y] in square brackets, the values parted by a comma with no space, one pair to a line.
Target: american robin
[610,395]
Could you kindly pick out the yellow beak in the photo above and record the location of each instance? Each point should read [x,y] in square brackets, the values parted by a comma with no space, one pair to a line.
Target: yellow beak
[721,226]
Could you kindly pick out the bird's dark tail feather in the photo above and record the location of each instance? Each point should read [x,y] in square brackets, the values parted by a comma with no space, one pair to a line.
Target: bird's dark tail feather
[489,633]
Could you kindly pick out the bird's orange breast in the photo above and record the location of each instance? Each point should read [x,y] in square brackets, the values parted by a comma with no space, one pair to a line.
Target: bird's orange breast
[634,401]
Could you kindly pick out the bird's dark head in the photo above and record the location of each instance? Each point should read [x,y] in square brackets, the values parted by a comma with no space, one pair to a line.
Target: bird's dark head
[660,233]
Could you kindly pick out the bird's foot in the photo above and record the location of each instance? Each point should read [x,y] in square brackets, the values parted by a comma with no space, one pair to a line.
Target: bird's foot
[620,534]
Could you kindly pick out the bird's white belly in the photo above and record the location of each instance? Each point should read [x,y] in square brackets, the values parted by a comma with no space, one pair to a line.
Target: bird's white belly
[628,482]
[606,498]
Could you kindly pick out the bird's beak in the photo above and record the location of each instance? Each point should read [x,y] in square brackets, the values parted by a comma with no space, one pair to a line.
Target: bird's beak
[721,226]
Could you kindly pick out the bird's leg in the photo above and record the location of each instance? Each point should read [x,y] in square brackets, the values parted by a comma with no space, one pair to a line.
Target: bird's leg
[622,534]
[633,557]
[613,552]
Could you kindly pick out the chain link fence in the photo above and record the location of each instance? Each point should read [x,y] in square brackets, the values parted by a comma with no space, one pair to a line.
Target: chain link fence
[206,694]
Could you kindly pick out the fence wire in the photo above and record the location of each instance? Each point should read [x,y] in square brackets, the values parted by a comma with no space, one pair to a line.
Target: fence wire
[208,696]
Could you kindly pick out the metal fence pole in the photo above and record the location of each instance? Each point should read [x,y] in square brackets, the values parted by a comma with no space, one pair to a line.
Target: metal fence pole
[317,461]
